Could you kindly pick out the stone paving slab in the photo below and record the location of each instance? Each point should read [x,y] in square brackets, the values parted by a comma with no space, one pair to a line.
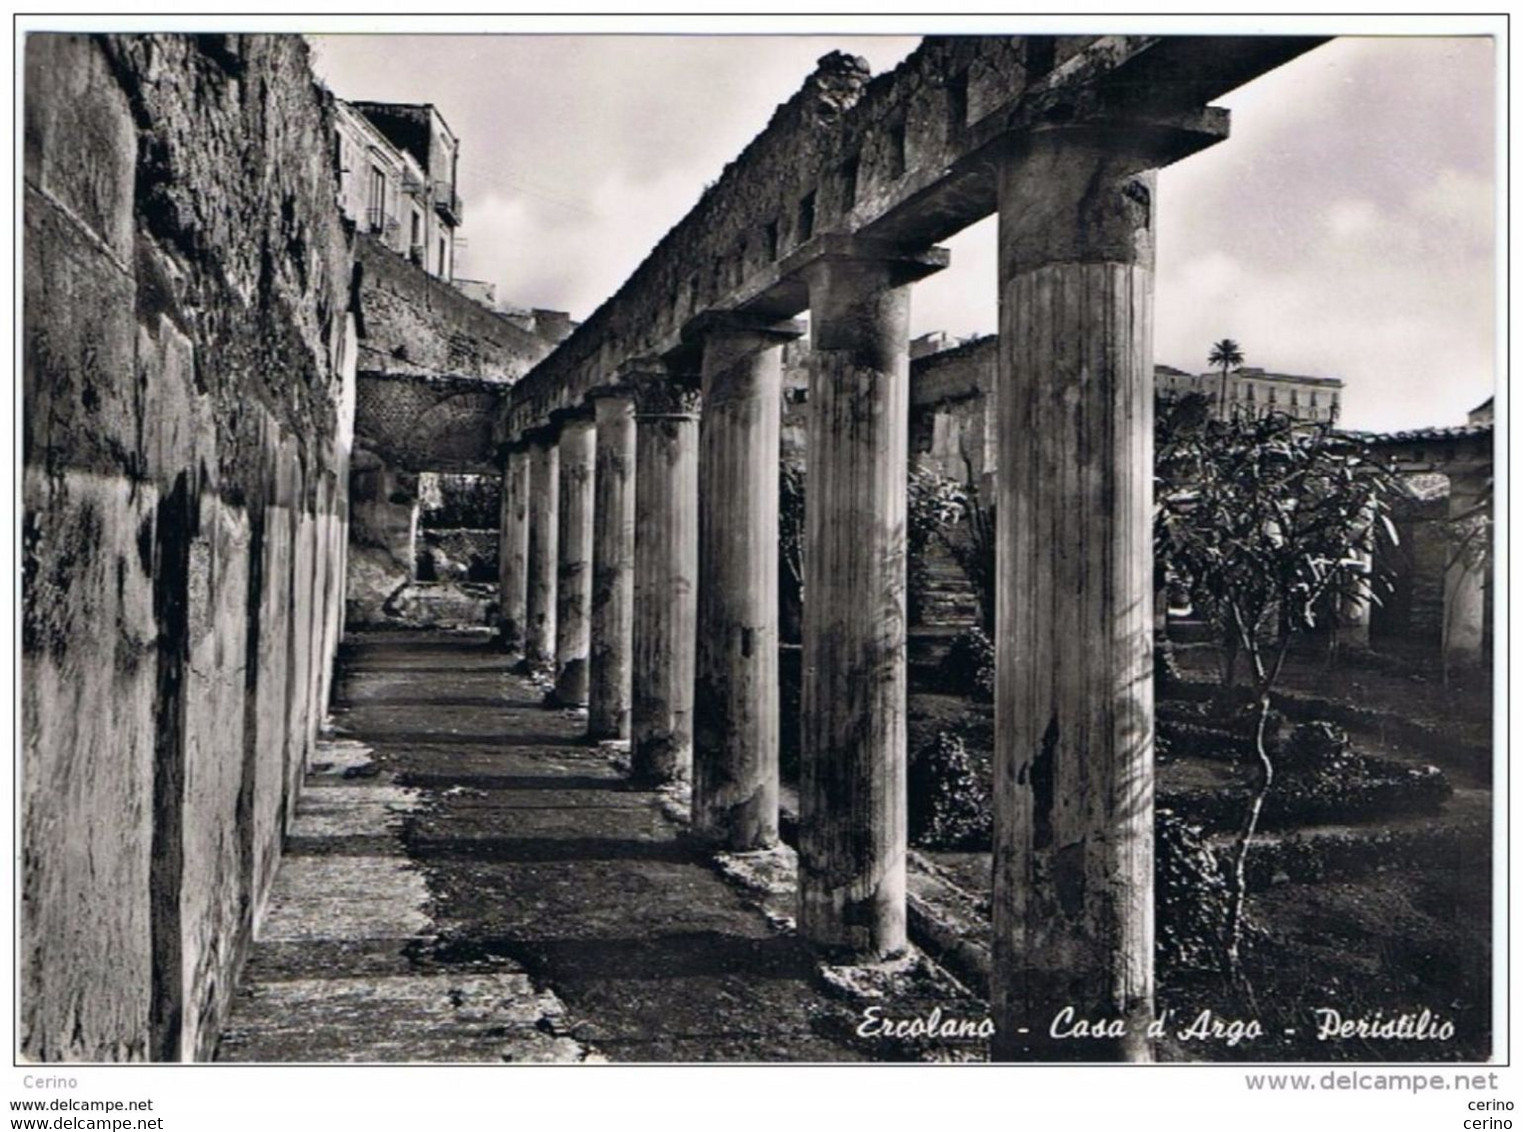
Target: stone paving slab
[345,967]
[339,897]
[471,881]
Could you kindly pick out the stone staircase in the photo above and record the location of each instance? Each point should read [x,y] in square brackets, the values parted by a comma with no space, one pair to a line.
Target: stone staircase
[948,597]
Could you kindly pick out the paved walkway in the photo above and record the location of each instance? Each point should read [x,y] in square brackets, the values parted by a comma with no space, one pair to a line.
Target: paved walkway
[466,881]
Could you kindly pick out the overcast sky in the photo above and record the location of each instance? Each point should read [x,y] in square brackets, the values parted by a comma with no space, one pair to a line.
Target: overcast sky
[1346,229]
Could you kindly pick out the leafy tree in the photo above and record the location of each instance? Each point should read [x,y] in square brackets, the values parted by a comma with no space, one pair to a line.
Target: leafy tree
[790,536]
[1270,520]
[1229,355]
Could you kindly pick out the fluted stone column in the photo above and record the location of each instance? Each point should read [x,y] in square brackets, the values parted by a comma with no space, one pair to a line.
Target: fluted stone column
[1073,773]
[573,593]
[852,817]
[513,549]
[613,565]
[666,579]
[544,536]
[735,705]
[1464,628]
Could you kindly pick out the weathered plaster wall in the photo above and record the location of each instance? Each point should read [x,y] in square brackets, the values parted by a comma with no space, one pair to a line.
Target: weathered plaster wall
[951,412]
[186,381]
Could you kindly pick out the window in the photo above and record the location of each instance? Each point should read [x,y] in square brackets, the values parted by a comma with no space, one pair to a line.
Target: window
[849,184]
[806,218]
[957,99]
[375,199]
[772,240]
[443,258]
[1041,54]
[896,151]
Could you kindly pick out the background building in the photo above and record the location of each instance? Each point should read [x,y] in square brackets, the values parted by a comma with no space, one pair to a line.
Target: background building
[1256,392]
[397,167]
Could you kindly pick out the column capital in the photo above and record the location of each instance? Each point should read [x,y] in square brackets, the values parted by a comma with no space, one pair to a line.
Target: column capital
[768,331]
[507,449]
[666,398]
[902,263]
[560,418]
[1153,138]
[540,434]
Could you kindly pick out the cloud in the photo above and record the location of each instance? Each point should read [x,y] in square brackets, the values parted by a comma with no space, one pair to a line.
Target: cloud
[566,258]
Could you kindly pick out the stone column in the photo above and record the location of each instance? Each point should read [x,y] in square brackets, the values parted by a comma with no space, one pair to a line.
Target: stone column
[513,549]
[613,565]
[666,579]
[1465,553]
[1073,772]
[544,534]
[852,818]
[573,579]
[735,723]
[1353,629]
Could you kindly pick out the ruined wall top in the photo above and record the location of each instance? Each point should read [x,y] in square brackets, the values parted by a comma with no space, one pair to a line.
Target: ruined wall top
[903,157]
[414,323]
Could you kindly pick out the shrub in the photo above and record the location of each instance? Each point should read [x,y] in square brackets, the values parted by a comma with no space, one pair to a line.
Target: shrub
[949,802]
[968,667]
[1222,728]
[1318,747]
[1324,780]
[1191,894]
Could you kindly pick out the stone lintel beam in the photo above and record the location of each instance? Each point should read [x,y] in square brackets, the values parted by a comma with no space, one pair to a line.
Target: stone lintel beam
[766,330]
[941,190]
[1089,118]
[901,264]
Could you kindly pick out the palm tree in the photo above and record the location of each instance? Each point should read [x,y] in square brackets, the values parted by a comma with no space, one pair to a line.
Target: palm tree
[1227,354]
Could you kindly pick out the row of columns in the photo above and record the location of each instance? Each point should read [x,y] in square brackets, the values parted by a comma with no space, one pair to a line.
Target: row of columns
[683,613]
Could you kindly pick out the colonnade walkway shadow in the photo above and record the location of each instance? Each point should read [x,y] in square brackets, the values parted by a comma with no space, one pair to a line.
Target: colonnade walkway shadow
[466,880]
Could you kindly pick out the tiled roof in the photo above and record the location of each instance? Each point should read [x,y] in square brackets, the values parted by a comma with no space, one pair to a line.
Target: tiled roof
[1415,435]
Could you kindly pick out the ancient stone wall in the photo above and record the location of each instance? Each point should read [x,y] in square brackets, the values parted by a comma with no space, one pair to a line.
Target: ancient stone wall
[413,323]
[426,423]
[188,383]
[951,412]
